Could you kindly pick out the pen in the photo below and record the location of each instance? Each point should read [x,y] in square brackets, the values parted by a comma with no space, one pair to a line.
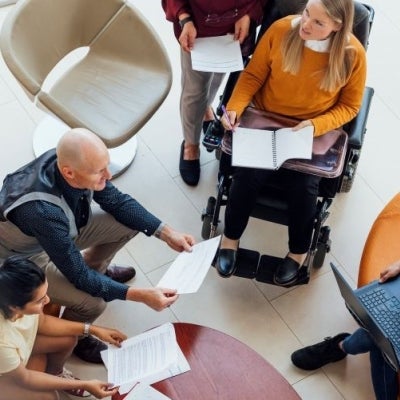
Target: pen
[227,117]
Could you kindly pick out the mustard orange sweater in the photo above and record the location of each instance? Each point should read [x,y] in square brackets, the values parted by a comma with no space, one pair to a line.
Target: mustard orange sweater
[264,83]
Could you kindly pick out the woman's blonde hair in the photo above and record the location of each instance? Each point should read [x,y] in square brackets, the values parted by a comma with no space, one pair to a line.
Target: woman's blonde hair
[340,56]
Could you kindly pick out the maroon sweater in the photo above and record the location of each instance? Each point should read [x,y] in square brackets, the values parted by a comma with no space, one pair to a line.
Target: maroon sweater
[221,10]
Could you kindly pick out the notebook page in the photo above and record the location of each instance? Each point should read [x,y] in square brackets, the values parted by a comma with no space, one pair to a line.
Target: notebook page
[252,148]
[294,144]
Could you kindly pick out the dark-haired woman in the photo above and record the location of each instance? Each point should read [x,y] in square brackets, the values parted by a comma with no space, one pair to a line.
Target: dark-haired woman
[29,338]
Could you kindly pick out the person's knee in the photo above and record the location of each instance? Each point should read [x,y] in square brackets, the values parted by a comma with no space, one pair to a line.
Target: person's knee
[70,342]
[95,308]
[304,184]
[53,395]
[88,310]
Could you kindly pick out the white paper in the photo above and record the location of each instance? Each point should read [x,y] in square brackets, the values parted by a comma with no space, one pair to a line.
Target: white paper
[143,392]
[142,356]
[187,272]
[177,368]
[253,147]
[217,54]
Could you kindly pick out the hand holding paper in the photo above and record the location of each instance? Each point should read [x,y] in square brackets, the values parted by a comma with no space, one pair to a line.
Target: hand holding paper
[188,271]
[217,54]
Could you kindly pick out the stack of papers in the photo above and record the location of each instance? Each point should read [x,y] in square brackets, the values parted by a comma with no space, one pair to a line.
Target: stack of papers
[145,359]
[217,54]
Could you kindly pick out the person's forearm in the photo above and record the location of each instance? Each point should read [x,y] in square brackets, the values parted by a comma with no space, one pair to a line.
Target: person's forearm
[165,233]
[36,380]
[135,294]
[54,326]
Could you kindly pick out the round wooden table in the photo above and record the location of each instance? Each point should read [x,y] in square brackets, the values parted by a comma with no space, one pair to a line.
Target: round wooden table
[222,368]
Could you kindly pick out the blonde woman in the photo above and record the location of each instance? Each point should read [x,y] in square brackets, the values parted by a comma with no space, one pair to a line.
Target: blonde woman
[309,67]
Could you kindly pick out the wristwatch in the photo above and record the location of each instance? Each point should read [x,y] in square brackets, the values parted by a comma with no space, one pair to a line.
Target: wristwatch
[86,329]
[183,21]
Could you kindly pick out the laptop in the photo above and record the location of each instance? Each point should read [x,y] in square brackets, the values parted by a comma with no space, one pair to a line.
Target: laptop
[376,307]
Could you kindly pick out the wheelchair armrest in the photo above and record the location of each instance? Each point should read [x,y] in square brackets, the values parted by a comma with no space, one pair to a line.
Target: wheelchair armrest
[357,126]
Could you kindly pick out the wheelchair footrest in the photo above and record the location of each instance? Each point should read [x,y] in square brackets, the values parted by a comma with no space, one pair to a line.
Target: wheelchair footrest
[247,263]
[250,265]
[267,267]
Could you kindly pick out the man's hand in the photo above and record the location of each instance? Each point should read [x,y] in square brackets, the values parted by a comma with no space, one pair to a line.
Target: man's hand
[177,240]
[390,272]
[156,298]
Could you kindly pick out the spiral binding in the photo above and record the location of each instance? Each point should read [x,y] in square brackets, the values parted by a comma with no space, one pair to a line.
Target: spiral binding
[274,150]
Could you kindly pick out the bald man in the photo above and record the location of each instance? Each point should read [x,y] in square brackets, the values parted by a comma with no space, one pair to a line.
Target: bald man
[47,213]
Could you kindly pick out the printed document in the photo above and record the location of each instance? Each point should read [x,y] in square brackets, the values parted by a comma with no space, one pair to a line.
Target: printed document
[142,356]
[145,393]
[187,272]
[217,54]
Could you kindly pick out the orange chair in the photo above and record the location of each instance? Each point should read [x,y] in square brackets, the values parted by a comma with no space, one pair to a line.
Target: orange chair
[381,247]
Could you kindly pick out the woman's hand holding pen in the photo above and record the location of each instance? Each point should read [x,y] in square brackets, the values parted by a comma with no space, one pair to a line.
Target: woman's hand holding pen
[228,119]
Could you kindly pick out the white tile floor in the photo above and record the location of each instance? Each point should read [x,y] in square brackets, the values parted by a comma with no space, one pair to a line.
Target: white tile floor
[272,320]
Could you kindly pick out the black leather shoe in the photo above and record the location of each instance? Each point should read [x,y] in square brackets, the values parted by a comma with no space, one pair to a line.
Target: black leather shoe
[226,262]
[88,349]
[189,169]
[120,273]
[286,273]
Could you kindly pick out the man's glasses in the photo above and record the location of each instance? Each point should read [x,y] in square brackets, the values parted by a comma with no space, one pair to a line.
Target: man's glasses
[214,19]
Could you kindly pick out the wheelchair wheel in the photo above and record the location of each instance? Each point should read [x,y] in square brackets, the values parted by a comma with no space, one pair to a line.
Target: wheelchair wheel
[207,217]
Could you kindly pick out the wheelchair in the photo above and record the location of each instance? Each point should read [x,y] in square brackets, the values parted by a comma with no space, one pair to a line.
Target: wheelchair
[271,204]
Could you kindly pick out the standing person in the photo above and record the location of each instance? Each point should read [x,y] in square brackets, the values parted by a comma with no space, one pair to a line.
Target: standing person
[29,338]
[47,214]
[205,18]
[332,349]
[309,67]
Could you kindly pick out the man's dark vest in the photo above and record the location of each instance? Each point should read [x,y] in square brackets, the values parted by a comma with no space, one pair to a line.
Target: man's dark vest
[34,181]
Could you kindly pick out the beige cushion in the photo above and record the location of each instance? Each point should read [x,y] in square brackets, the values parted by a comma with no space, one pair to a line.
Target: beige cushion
[115,88]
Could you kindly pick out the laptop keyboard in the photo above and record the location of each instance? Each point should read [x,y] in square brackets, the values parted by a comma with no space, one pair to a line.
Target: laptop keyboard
[386,310]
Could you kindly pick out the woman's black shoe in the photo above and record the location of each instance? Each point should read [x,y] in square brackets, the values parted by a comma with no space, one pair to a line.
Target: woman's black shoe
[226,262]
[287,271]
[189,169]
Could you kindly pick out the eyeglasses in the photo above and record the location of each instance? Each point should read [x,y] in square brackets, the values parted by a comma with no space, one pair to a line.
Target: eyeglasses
[213,19]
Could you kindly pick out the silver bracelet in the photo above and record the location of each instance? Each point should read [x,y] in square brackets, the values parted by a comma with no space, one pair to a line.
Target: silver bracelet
[86,329]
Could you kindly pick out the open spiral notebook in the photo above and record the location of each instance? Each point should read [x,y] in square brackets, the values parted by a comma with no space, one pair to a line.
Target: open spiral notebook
[269,149]
[265,140]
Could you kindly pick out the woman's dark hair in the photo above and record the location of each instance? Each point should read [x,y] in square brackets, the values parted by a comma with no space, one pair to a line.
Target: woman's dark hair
[19,278]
